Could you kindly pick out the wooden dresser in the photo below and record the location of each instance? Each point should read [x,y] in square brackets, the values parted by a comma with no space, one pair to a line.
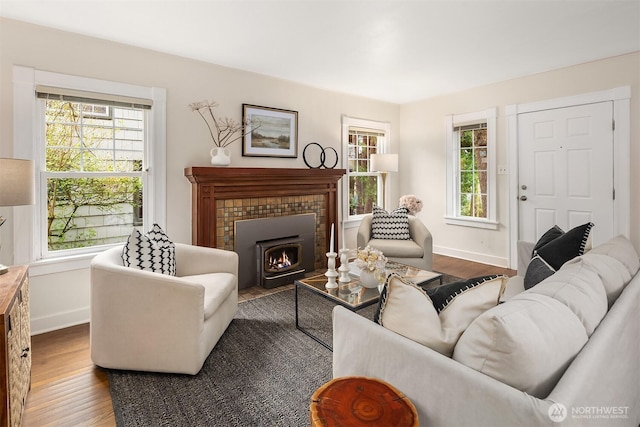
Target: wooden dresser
[15,346]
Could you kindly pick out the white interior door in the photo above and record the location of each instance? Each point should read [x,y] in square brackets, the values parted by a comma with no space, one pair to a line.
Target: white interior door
[565,170]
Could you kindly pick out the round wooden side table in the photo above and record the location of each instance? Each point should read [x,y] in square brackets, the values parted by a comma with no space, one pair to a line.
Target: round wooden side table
[361,401]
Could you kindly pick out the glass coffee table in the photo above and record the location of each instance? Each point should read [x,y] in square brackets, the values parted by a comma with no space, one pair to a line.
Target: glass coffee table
[353,295]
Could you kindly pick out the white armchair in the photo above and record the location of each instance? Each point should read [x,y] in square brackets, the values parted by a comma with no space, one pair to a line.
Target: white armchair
[417,252]
[146,321]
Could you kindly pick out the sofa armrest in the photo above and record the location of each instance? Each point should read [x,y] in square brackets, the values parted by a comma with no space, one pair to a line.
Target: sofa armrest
[364,231]
[192,260]
[444,391]
[421,235]
[524,256]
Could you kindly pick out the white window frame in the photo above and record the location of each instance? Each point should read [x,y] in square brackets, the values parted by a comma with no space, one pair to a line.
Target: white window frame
[28,236]
[452,217]
[349,122]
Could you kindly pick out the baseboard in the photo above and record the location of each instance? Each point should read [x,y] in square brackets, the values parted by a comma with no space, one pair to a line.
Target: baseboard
[472,256]
[57,321]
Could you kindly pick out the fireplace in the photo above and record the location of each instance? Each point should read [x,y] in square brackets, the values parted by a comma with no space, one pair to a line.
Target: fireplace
[223,197]
[262,244]
[279,261]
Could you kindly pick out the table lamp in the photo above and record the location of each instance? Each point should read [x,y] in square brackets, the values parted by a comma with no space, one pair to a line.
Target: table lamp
[384,163]
[16,187]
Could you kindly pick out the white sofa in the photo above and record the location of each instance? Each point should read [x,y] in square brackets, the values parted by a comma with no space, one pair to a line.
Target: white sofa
[147,321]
[417,252]
[600,387]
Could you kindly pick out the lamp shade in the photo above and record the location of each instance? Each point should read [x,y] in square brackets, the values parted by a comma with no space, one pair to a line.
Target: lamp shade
[16,182]
[384,163]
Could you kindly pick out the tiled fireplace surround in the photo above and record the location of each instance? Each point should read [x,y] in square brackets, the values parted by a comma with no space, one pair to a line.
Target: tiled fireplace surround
[221,196]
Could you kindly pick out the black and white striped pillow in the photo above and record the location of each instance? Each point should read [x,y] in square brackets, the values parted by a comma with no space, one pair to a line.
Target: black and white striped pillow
[390,226]
[152,252]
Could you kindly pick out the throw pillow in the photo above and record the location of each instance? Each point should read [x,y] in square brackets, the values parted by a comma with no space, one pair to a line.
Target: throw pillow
[438,321]
[390,226]
[553,249]
[152,252]
[527,342]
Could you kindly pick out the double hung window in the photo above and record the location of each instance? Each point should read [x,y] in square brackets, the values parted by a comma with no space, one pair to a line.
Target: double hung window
[99,151]
[94,152]
[363,138]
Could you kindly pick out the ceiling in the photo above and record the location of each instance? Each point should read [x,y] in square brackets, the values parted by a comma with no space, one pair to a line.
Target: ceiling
[393,50]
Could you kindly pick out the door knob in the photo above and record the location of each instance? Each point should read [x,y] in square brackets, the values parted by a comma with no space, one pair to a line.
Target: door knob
[523,198]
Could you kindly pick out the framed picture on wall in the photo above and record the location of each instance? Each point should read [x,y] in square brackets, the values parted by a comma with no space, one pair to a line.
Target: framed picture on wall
[275,132]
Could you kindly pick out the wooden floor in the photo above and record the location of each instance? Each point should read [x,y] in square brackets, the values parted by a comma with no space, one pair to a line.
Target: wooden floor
[68,390]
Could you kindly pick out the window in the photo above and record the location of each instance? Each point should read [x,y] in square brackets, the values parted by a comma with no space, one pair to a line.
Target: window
[99,150]
[93,156]
[471,176]
[364,188]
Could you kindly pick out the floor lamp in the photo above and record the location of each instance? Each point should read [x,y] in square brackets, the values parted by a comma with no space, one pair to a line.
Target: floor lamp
[384,163]
[16,187]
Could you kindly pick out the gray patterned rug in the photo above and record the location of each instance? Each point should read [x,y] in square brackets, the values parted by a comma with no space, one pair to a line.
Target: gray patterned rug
[262,372]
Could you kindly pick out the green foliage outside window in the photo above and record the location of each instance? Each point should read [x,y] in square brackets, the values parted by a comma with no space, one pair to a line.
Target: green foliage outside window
[363,186]
[473,172]
[82,139]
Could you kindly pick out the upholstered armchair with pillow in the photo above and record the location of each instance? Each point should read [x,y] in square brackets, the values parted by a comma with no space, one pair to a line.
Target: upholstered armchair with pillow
[414,248]
[149,321]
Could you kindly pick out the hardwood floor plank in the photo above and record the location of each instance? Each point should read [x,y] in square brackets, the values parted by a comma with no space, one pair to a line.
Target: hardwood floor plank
[67,389]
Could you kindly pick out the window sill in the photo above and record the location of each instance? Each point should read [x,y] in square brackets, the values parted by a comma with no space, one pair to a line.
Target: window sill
[471,222]
[62,264]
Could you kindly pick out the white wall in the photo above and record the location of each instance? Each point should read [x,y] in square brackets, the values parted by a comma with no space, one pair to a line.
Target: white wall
[62,299]
[422,147]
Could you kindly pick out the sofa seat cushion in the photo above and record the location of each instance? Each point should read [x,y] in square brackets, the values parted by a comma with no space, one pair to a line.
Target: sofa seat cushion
[527,343]
[398,248]
[579,287]
[436,323]
[622,249]
[217,287]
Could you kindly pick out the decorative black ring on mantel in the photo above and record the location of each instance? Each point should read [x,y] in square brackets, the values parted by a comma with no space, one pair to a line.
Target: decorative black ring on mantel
[323,157]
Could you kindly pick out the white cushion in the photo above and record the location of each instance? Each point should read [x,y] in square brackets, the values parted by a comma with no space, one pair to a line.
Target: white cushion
[622,249]
[407,310]
[527,343]
[613,273]
[217,287]
[579,287]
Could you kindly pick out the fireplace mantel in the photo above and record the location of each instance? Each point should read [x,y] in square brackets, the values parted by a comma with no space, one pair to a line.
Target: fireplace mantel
[217,191]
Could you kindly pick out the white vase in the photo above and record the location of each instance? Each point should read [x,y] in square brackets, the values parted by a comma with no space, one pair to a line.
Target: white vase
[220,156]
[368,279]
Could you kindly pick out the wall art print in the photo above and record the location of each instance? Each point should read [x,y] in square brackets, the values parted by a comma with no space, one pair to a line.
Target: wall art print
[277,135]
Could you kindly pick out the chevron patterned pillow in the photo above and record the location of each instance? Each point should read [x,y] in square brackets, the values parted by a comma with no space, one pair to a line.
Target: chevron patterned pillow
[390,226]
[152,252]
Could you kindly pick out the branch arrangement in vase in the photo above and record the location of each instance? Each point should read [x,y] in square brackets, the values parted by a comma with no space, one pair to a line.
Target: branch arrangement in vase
[223,130]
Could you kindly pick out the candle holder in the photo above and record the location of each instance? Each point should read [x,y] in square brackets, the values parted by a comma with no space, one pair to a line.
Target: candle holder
[344,266]
[331,271]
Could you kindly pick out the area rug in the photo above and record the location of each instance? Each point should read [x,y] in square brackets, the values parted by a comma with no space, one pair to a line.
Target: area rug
[262,372]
